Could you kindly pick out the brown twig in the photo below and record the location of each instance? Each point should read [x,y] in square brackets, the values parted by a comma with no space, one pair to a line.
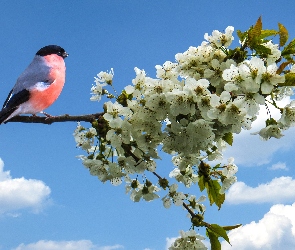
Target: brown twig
[159,177]
[188,209]
[53,119]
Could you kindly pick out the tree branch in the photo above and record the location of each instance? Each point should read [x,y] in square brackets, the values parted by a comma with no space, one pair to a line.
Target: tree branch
[75,118]
[188,209]
[53,119]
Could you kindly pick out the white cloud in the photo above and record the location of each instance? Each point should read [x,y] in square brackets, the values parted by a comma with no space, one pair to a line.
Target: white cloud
[117,246]
[279,189]
[169,242]
[20,193]
[276,230]
[65,245]
[250,150]
[279,166]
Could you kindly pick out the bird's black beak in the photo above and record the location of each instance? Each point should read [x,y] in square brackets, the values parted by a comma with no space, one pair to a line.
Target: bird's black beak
[64,55]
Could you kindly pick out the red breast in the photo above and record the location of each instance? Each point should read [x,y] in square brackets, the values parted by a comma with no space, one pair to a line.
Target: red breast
[41,99]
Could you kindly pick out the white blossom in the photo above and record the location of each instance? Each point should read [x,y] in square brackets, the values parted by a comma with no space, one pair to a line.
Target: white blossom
[269,132]
[189,240]
[105,77]
[167,71]
[228,173]
[84,137]
[275,53]
[197,203]
[270,79]
[114,110]
[221,39]
[288,116]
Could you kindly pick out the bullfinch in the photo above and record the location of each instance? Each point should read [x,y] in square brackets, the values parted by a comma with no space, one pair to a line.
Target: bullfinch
[38,86]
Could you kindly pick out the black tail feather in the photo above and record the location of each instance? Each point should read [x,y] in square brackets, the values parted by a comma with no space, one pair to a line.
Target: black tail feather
[5,113]
[12,102]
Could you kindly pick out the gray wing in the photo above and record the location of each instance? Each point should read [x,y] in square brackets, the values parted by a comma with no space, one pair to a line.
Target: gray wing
[36,73]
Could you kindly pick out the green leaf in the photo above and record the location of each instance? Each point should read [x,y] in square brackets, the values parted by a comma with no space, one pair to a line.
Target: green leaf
[289,80]
[228,138]
[267,33]
[242,35]
[262,50]
[210,191]
[283,32]
[214,196]
[227,228]
[270,121]
[215,244]
[258,26]
[220,231]
[201,183]
[289,49]
[255,32]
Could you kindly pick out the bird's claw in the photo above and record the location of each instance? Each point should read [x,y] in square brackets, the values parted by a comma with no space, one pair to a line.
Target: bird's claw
[47,115]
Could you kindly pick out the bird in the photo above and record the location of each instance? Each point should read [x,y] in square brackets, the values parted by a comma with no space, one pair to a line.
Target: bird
[38,86]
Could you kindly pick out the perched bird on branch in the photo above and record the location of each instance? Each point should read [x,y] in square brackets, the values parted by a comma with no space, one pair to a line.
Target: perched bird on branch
[38,86]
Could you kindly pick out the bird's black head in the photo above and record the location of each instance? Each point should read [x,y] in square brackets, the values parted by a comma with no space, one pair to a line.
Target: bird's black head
[52,49]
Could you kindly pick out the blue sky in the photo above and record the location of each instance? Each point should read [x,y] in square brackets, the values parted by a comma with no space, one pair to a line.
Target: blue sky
[56,203]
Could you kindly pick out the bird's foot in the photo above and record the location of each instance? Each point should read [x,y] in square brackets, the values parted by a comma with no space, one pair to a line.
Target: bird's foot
[47,115]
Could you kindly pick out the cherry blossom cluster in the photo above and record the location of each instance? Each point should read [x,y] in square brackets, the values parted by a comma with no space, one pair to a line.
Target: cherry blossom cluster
[190,111]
